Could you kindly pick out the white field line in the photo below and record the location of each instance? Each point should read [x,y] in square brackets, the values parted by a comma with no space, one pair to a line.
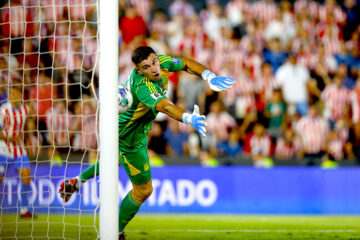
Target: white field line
[250,230]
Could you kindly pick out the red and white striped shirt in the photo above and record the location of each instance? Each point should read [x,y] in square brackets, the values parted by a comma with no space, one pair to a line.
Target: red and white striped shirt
[287,150]
[220,124]
[260,145]
[13,18]
[335,148]
[59,123]
[88,137]
[337,12]
[12,122]
[265,86]
[181,7]
[143,8]
[355,105]
[241,94]
[336,100]
[266,11]
[313,132]
[54,10]
[332,45]
[310,6]
[80,8]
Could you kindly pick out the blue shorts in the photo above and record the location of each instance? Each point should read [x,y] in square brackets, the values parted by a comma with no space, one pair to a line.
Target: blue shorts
[20,162]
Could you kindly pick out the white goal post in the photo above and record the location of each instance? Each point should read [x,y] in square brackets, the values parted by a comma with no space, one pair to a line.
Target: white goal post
[108,81]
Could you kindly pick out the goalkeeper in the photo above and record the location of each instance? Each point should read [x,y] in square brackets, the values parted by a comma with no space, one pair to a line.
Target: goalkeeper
[148,84]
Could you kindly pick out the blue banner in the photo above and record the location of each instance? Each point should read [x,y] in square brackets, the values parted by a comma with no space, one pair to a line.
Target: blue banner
[179,189]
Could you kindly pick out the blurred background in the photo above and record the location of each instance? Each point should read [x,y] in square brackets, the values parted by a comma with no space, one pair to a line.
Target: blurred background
[296,100]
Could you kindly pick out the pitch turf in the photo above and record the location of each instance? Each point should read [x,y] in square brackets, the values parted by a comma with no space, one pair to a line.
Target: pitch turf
[175,227]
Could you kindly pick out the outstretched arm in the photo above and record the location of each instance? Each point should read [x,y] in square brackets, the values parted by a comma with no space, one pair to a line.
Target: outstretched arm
[194,119]
[216,83]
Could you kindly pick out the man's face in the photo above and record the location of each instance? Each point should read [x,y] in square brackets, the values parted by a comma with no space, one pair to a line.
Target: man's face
[150,67]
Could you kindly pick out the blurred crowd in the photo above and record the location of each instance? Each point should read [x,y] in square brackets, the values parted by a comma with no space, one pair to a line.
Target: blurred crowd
[297,71]
[48,53]
[296,65]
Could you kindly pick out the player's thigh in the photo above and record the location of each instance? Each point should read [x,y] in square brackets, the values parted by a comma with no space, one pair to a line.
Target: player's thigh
[137,166]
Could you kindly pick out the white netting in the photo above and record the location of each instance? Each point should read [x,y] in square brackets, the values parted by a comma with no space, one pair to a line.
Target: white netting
[48,112]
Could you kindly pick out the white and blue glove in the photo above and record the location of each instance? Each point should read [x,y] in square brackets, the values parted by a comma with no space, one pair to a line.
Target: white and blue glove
[196,120]
[216,83]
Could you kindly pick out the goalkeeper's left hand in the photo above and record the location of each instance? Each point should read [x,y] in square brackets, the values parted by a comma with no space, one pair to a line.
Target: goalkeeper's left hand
[196,120]
[216,83]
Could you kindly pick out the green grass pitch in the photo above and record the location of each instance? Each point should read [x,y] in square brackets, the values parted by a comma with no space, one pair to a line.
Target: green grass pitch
[183,226]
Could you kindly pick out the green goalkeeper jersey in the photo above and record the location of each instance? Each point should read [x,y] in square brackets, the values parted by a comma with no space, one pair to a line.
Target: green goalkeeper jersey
[135,124]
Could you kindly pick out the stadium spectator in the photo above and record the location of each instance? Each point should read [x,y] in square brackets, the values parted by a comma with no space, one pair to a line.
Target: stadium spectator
[275,111]
[232,147]
[330,8]
[241,101]
[319,80]
[42,96]
[265,10]
[336,100]
[355,102]
[190,89]
[176,140]
[334,150]
[258,145]
[313,130]
[143,8]
[174,31]
[236,10]
[274,54]
[351,9]
[32,139]
[292,78]
[16,23]
[28,56]
[127,23]
[281,27]
[287,146]
[265,83]
[219,122]
[59,130]
[181,7]
[84,124]
[10,59]
[214,20]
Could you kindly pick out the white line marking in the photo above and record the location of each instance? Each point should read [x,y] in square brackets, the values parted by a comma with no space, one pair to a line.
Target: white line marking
[250,230]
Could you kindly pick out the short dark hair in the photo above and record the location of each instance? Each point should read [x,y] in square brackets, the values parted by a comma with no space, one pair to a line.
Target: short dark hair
[141,53]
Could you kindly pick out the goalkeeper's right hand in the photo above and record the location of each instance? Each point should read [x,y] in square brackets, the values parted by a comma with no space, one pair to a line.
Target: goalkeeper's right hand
[196,120]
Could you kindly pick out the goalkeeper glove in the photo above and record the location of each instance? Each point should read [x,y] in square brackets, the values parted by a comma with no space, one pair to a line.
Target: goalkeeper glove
[216,83]
[196,120]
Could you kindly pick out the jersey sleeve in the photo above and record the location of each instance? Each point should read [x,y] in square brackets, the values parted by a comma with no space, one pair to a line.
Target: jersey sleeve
[173,64]
[147,94]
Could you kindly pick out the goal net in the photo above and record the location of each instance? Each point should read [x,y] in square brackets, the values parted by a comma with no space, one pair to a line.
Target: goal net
[48,117]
